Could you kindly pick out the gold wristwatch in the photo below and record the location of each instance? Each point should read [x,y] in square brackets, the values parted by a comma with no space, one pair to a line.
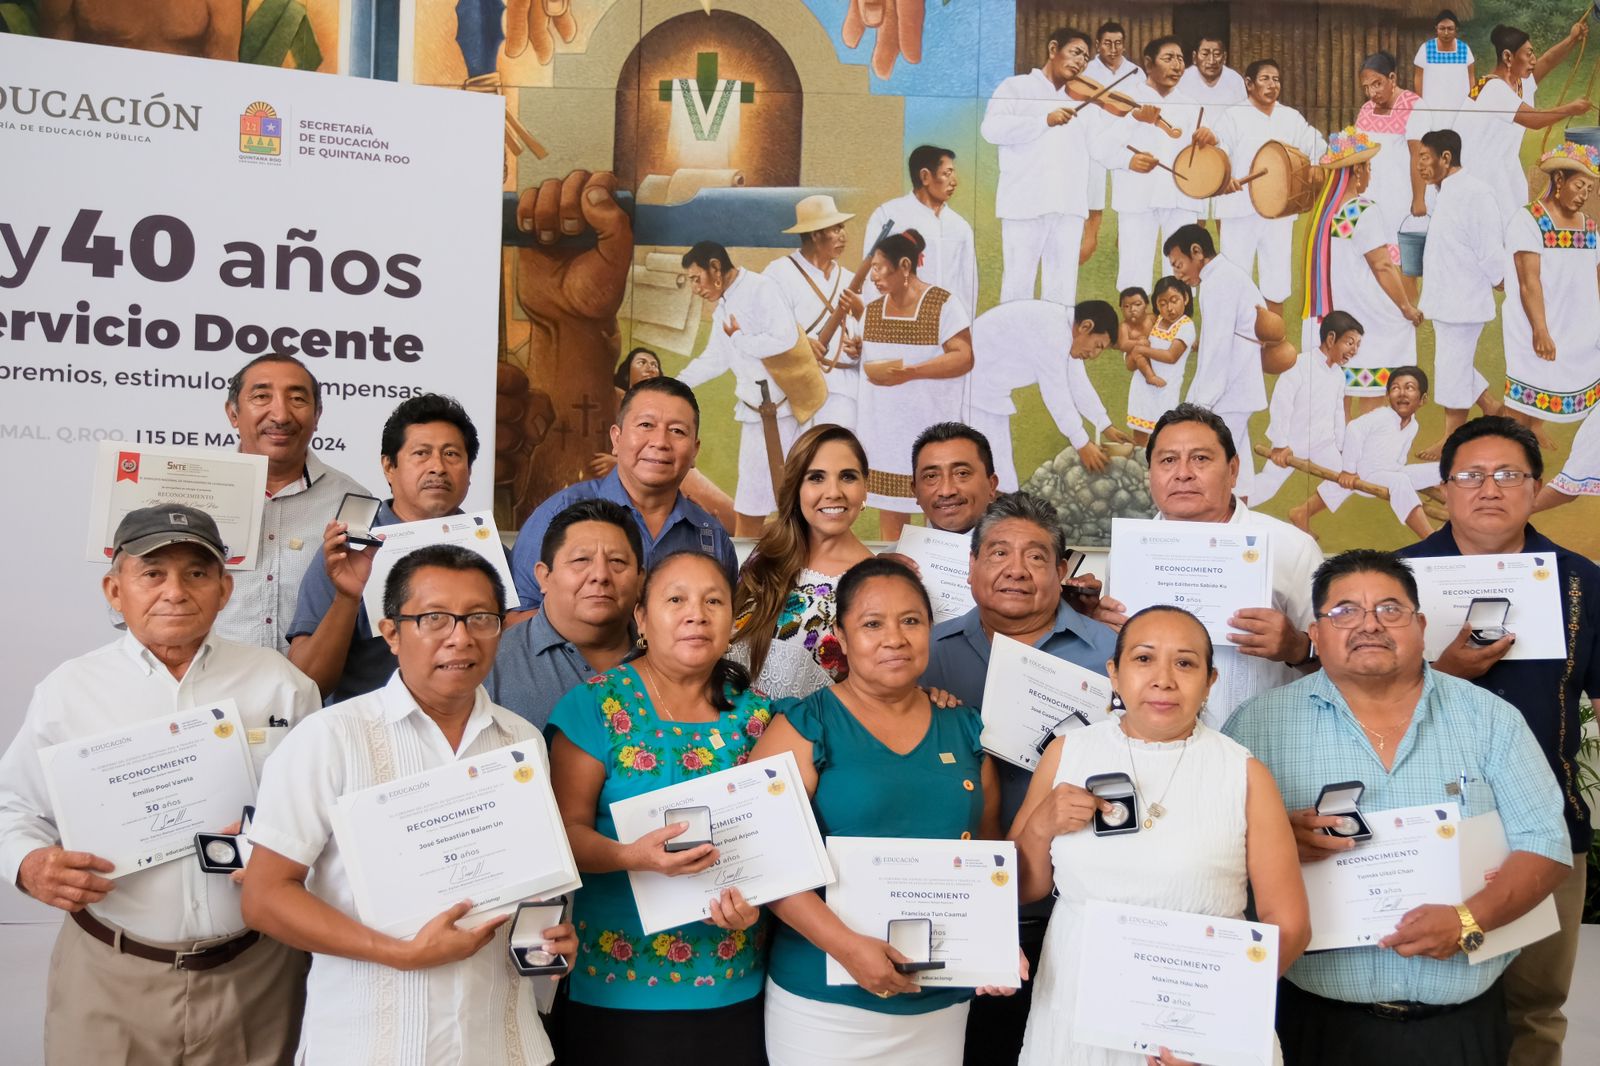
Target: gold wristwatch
[1471,932]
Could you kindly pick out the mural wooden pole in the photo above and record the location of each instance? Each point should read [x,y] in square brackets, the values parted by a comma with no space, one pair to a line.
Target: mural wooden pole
[1430,507]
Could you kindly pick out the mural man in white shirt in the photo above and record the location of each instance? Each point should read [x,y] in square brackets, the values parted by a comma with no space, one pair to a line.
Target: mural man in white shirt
[951,258]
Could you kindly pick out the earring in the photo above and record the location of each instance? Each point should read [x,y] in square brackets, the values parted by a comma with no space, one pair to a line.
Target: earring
[641,643]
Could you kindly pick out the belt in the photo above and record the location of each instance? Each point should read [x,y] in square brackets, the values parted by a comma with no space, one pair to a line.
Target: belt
[1408,1011]
[195,961]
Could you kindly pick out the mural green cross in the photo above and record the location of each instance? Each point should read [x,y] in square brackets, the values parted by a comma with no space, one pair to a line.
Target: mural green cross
[705,77]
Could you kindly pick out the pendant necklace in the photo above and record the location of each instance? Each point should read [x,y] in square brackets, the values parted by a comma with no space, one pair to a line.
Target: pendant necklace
[1154,810]
[1383,738]
[654,692]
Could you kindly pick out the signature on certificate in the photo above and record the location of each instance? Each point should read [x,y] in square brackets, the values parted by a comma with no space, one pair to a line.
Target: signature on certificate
[466,871]
[166,819]
[729,877]
[1176,1019]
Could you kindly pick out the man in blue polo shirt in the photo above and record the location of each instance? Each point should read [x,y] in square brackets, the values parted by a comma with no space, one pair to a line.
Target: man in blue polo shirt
[429,445]
[656,439]
[1491,468]
[1017,566]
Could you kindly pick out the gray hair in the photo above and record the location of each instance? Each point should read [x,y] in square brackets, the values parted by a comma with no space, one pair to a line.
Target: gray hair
[1029,508]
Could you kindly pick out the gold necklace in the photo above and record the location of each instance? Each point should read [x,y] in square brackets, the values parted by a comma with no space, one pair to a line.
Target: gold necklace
[1383,738]
[1156,809]
[654,692]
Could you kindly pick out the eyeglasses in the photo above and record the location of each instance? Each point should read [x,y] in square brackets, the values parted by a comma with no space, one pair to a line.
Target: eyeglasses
[443,623]
[1351,615]
[1474,479]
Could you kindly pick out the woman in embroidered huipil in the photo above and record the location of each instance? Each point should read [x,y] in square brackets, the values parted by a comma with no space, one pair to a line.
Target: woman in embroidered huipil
[1548,322]
[916,353]
[784,604]
[679,711]
[1392,119]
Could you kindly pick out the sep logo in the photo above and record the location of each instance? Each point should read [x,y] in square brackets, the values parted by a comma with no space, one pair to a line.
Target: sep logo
[260,130]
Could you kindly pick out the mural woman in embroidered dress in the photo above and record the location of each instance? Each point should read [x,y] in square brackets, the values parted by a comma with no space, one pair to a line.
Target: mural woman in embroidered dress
[1395,123]
[916,353]
[679,711]
[784,605]
[1552,364]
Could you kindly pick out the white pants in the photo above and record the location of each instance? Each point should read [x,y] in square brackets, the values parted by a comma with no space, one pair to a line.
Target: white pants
[1272,477]
[1140,235]
[1456,381]
[1580,475]
[998,429]
[844,385]
[1052,239]
[753,496]
[807,1032]
[1249,239]
[1238,423]
[1402,485]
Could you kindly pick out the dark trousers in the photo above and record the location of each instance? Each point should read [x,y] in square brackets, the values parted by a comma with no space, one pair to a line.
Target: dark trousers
[1316,1031]
[995,1024]
[598,1036]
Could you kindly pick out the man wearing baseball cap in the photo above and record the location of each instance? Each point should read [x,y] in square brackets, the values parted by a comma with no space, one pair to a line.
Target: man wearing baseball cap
[815,286]
[157,965]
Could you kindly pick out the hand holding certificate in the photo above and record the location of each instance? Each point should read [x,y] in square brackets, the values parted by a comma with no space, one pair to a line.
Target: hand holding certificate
[966,889]
[1204,988]
[486,829]
[759,818]
[1030,695]
[943,560]
[475,532]
[1210,569]
[1526,583]
[137,796]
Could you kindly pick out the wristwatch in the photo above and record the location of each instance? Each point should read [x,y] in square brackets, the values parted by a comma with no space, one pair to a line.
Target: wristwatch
[1471,932]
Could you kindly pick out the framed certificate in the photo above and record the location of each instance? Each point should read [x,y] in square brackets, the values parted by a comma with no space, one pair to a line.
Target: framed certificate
[761,823]
[1447,585]
[1210,569]
[1029,695]
[943,560]
[1203,987]
[966,888]
[485,828]
[231,487]
[476,532]
[137,796]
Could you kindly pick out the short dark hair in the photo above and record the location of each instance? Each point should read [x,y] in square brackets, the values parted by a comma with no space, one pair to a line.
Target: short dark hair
[940,432]
[1441,141]
[1027,507]
[1208,36]
[849,586]
[1122,634]
[236,383]
[397,587]
[421,410]
[1153,48]
[1506,39]
[1133,290]
[1187,236]
[1061,37]
[591,510]
[1446,16]
[1491,426]
[1192,412]
[1109,27]
[1256,67]
[703,253]
[1381,63]
[1337,324]
[1415,373]
[625,367]
[1361,561]
[926,157]
[1101,314]
[726,676]
[667,387]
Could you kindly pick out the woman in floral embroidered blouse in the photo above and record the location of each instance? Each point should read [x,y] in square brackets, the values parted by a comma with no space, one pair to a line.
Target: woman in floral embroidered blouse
[784,603]
[677,712]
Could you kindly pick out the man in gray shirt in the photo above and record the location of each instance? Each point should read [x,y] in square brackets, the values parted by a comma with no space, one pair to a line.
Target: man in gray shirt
[589,573]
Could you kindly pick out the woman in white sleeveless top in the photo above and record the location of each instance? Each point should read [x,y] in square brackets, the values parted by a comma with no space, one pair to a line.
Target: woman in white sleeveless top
[1211,824]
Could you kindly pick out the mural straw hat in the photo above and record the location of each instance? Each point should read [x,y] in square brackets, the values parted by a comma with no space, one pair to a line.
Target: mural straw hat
[1347,147]
[816,212]
[1569,155]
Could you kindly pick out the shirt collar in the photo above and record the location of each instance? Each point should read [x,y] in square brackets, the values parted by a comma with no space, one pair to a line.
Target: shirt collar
[542,635]
[733,286]
[1067,621]
[146,659]
[398,704]
[1236,518]
[611,488]
[1326,694]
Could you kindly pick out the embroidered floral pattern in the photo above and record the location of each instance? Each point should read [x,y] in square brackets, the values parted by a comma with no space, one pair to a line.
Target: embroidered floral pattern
[1556,403]
[614,955]
[808,614]
[1555,237]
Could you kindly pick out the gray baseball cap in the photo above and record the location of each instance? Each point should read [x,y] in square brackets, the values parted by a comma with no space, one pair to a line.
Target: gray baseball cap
[148,529]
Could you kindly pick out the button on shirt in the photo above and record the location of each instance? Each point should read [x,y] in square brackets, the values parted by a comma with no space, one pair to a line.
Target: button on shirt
[122,685]
[472,1011]
[264,599]
[1548,691]
[767,327]
[688,528]
[1307,736]
[534,668]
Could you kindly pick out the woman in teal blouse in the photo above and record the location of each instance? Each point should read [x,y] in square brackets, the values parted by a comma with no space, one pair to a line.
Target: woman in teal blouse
[676,712]
[879,760]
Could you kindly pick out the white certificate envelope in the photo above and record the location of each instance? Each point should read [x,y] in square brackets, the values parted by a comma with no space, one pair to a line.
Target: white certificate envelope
[485,828]
[1448,584]
[475,532]
[762,825]
[967,888]
[1358,896]
[1030,694]
[1483,848]
[1203,987]
[943,560]
[231,487]
[137,796]
[1210,569]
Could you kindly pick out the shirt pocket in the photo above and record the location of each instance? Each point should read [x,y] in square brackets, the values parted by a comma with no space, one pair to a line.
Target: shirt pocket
[1477,797]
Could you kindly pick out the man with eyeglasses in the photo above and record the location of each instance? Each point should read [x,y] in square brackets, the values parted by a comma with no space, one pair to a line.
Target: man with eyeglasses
[1377,713]
[449,993]
[1491,468]
[1209,80]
